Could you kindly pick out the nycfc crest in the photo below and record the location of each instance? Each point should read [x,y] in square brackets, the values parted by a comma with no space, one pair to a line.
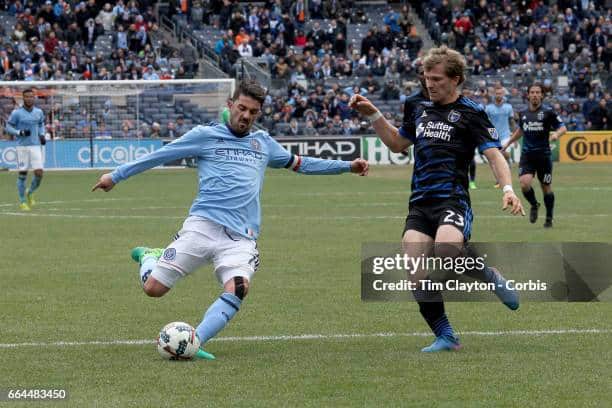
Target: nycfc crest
[540,115]
[454,116]
[255,145]
[169,254]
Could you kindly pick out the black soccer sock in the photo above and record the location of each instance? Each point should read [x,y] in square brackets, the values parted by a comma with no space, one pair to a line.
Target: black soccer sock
[431,306]
[549,202]
[473,170]
[530,196]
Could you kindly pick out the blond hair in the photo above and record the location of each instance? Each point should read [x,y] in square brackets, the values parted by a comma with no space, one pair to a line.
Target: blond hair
[454,63]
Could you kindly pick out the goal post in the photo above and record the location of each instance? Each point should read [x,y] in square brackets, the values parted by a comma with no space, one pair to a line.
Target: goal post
[89,114]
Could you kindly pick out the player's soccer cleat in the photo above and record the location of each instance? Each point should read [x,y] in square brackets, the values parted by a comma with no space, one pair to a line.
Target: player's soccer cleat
[496,185]
[509,297]
[24,207]
[30,198]
[204,355]
[443,343]
[548,223]
[473,185]
[139,253]
[533,213]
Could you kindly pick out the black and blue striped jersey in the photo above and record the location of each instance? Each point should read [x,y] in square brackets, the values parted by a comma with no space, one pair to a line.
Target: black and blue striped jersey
[444,139]
[536,126]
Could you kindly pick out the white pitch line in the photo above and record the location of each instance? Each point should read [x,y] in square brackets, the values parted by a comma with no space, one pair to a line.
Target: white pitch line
[93,200]
[307,218]
[310,337]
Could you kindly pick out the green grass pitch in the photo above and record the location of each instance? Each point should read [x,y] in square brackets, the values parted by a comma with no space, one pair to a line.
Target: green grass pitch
[66,275]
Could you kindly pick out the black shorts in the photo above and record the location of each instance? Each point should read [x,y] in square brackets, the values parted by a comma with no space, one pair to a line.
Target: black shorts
[427,215]
[537,163]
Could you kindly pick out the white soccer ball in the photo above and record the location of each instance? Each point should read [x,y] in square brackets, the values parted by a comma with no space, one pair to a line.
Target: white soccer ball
[178,341]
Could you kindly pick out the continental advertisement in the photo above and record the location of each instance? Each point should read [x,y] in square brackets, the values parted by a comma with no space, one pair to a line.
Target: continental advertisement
[586,147]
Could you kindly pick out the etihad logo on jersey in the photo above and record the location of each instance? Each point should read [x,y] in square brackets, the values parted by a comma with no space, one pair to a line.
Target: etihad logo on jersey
[434,130]
[532,126]
[241,155]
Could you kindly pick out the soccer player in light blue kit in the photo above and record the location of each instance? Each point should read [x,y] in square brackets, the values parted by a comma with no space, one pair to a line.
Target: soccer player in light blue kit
[502,116]
[223,222]
[27,125]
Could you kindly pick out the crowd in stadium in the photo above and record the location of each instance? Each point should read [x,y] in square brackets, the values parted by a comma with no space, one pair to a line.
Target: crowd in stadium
[537,40]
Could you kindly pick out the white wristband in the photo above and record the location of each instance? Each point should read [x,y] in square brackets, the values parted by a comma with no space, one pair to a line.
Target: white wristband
[374,117]
[507,188]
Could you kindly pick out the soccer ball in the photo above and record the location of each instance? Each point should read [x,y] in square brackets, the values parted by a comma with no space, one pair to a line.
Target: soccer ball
[178,341]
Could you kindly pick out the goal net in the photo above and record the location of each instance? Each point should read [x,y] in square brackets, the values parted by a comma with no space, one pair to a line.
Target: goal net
[83,115]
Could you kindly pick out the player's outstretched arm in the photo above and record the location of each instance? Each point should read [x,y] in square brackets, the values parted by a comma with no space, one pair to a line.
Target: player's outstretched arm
[558,133]
[388,133]
[516,135]
[188,145]
[501,171]
[280,157]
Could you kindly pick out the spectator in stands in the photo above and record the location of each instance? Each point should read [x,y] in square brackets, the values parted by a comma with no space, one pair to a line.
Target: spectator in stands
[189,54]
[600,116]
[390,91]
[155,131]
[181,126]
[106,17]
[150,74]
[581,86]
[102,132]
[245,48]
[309,129]
[589,104]
[294,129]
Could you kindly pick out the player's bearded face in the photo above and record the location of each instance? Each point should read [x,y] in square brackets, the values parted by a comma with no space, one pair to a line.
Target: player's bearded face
[499,97]
[243,113]
[535,96]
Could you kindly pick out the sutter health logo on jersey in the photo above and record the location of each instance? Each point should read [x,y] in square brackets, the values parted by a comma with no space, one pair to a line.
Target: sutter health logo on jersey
[435,130]
[533,126]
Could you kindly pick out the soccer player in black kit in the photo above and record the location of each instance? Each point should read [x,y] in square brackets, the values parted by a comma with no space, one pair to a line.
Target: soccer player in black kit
[536,124]
[444,130]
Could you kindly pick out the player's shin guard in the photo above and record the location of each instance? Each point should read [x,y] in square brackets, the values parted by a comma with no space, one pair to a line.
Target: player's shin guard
[218,316]
[530,196]
[35,183]
[549,202]
[21,182]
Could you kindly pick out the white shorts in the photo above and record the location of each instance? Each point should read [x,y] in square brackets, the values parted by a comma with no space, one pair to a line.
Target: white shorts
[200,242]
[29,158]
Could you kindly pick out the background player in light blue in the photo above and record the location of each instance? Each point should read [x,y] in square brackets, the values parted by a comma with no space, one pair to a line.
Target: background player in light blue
[223,222]
[501,115]
[27,125]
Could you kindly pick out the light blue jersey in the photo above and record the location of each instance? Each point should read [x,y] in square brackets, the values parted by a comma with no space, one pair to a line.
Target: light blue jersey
[231,171]
[23,119]
[500,117]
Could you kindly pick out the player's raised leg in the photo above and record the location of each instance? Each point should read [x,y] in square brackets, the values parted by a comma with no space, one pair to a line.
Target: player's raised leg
[147,259]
